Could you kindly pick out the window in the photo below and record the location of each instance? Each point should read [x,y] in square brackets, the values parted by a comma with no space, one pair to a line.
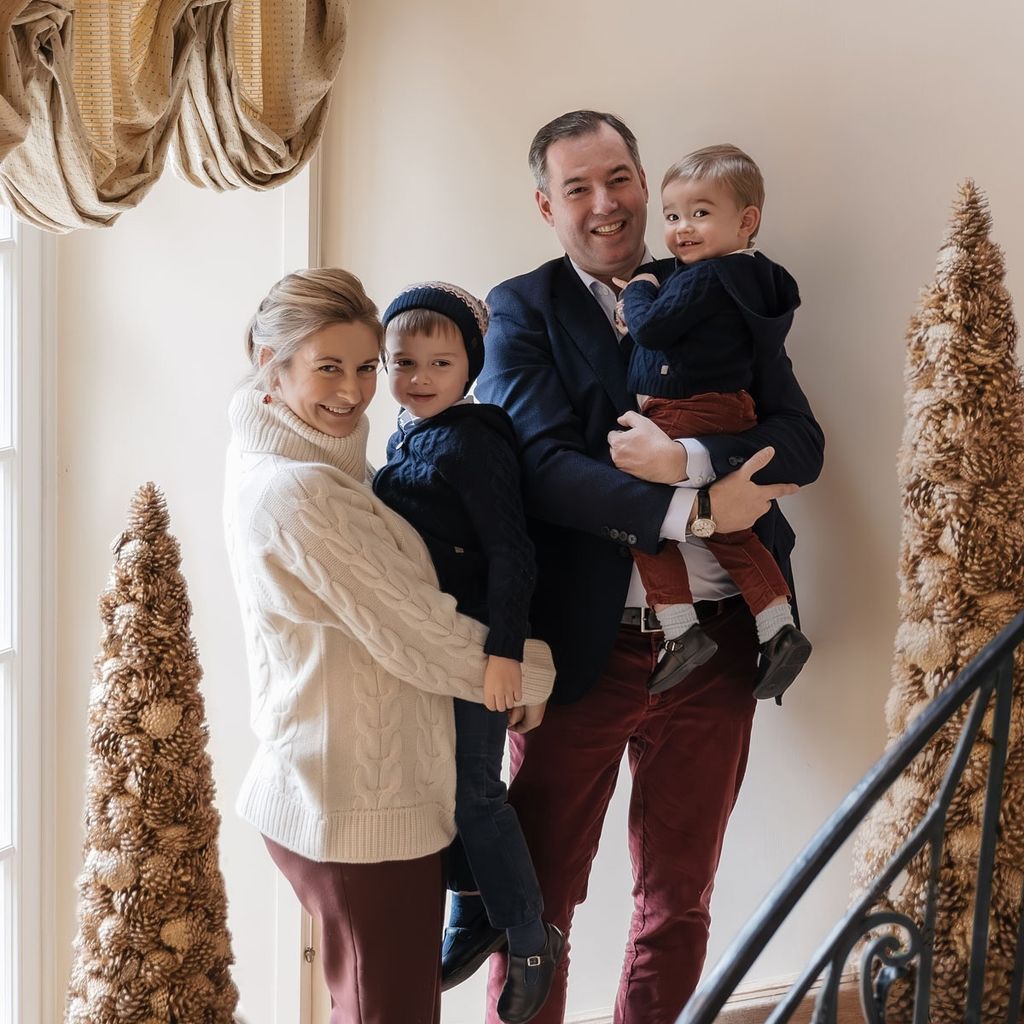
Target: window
[23,807]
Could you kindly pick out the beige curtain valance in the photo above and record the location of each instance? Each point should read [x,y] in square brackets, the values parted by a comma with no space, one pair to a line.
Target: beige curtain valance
[95,93]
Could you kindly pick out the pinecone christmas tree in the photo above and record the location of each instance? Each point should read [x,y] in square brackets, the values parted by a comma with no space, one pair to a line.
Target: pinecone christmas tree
[961,576]
[153,945]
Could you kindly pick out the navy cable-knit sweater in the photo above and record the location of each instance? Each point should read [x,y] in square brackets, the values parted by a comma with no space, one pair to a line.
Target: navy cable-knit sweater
[455,477]
[697,333]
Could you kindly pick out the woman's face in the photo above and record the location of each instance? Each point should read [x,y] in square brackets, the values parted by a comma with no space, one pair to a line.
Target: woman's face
[331,379]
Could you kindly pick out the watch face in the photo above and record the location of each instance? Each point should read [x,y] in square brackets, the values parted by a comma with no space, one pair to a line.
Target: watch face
[702,527]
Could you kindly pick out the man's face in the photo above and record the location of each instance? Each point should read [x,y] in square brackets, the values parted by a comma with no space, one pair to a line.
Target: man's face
[596,202]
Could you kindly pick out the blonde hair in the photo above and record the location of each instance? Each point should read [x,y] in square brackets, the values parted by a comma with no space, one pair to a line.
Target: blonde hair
[723,164]
[300,305]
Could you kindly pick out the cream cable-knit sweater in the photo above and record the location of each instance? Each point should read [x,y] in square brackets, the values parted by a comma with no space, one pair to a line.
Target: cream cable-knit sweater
[353,653]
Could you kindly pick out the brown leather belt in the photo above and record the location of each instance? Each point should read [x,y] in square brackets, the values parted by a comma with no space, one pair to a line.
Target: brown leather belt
[647,621]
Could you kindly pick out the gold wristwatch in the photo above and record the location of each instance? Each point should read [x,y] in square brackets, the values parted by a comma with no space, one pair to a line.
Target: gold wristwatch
[703,525]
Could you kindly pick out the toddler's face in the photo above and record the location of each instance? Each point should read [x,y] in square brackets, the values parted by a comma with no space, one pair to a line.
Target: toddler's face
[703,220]
[427,372]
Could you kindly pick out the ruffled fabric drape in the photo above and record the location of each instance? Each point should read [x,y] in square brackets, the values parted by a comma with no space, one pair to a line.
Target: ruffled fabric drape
[94,94]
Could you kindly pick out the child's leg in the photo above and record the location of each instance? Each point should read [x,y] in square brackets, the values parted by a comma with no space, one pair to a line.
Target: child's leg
[784,649]
[488,827]
[500,861]
[667,585]
[757,576]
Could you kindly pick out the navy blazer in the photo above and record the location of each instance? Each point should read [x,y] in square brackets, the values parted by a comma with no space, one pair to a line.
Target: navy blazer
[552,362]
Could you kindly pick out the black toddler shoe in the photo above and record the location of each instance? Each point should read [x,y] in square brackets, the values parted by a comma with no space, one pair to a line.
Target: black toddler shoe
[465,949]
[780,662]
[528,980]
[680,657]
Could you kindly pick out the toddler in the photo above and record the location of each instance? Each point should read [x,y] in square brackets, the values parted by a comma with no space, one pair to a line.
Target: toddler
[696,338]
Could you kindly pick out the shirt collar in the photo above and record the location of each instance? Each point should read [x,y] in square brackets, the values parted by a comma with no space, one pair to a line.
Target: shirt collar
[590,281]
[605,294]
[406,418]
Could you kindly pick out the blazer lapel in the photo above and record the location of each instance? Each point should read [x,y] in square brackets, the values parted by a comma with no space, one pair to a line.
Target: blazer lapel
[582,318]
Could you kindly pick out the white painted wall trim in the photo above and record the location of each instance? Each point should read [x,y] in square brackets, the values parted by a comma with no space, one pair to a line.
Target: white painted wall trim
[36,290]
[293,934]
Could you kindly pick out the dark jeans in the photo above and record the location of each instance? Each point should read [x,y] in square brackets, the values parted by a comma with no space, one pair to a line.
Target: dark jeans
[687,751]
[490,853]
[740,554]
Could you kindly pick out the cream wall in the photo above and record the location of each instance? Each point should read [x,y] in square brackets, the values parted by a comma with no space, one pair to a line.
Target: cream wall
[150,321]
[863,118]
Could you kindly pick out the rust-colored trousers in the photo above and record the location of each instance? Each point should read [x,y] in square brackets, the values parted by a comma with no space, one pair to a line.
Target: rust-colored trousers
[381,930]
[687,752]
[740,554]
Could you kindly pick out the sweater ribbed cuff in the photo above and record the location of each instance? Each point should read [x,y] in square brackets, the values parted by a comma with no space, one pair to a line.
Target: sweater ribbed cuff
[538,672]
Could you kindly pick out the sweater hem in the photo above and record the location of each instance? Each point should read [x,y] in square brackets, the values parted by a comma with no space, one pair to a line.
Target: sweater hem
[348,837]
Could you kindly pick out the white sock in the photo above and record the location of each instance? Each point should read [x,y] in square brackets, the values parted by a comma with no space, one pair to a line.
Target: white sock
[676,619]
[771,620]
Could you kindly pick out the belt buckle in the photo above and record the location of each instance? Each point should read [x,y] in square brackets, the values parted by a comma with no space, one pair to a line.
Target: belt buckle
[649,621]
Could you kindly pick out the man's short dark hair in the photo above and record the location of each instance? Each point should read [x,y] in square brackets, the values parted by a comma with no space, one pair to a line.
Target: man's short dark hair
[569,126]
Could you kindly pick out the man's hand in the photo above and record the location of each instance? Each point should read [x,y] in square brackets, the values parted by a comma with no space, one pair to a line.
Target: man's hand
[737,502]
[533,715]
[645,451]
[503,683]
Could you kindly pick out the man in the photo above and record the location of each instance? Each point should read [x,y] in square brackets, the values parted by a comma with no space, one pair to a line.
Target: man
[556,364]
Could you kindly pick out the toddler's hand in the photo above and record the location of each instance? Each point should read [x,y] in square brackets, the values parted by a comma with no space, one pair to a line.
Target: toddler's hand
[515,716]
[503,683]
[650,278]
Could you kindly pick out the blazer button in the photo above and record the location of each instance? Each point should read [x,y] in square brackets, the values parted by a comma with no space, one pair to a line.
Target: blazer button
[623,552]
[631,539]
[736,460]
[614,534]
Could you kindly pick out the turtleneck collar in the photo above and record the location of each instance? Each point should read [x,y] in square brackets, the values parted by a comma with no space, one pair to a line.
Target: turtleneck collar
[272,427]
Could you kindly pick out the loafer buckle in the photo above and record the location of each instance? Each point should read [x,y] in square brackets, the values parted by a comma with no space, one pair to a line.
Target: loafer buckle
[534,961]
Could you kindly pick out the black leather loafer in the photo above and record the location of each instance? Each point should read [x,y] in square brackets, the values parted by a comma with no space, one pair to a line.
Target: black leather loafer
[780,662]
[680,657]
[464,950]
[528,980]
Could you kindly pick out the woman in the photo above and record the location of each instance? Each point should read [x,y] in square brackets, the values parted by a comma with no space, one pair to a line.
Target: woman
[353,653]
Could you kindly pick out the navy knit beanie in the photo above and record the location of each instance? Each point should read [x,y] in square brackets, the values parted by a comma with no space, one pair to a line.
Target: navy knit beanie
[467,312]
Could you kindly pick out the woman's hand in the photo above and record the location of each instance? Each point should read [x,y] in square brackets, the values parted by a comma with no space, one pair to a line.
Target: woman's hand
[532,715]
[503,683]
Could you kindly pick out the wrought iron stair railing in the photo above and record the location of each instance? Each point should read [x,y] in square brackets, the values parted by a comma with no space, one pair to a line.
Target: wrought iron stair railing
[907,950]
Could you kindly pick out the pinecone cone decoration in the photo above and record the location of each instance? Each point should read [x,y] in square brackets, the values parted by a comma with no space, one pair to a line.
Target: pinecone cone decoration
[961,575]
[153,944]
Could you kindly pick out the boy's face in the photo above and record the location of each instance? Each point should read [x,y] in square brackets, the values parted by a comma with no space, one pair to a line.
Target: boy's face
[427,372]
[703,219]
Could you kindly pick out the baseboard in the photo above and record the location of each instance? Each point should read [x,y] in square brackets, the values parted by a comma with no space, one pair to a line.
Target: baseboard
[752,1003]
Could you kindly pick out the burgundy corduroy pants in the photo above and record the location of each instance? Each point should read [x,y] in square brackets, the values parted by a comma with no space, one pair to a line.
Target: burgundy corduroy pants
[381,930]
[687,752]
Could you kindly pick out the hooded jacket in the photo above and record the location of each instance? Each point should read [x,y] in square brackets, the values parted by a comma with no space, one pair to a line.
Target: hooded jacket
[698,333]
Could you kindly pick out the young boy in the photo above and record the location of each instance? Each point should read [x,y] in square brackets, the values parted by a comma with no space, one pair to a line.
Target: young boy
[453,472]
[696,338]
